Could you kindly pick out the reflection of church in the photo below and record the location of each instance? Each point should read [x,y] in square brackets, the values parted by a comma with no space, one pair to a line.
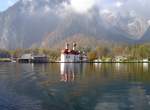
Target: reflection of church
[69,71]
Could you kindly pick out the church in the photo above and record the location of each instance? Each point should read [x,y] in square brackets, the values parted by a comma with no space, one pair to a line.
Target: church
[70,55]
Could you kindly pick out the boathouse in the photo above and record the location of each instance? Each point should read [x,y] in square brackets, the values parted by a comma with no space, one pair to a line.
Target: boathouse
[40,59]
[26,58]
[29,58]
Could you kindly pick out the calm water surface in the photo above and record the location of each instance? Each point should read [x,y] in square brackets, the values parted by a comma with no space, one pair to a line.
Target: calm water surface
[74,86]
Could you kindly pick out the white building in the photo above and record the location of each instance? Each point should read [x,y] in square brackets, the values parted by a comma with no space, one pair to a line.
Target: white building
[120,58]
[146,60]
[68,55]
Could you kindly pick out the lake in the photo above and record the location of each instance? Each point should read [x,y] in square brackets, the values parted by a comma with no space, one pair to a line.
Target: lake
[77,86]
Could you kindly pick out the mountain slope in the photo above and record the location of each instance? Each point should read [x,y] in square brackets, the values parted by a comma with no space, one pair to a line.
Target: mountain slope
[51,22]
[22,29]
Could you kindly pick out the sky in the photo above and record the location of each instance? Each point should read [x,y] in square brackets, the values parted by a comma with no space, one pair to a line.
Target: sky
[4,4]
[85,5]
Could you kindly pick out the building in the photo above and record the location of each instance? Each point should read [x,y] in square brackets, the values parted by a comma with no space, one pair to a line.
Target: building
[71,55]
[29,58]
[26,58]
[120,59]
[40,59]
[83,57]
[146,60]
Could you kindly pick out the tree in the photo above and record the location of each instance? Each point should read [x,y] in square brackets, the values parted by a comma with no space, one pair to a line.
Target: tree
[92,55]
[17,53]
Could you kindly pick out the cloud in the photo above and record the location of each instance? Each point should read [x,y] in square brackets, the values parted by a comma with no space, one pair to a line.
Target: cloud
[105,11]
[118,4]
[132,13]
[46,8]
[82,6]
[142,2]
[11,2]
[148,22]
[32,9]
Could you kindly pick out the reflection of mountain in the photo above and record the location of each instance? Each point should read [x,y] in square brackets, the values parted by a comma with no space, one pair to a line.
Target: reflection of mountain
[137,93]
[69,71]
[10,100]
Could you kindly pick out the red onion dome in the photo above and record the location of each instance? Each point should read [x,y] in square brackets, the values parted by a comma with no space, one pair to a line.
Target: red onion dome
[65,51]
[74,52]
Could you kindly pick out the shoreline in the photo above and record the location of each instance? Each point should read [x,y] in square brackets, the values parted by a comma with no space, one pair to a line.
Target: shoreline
[104,62]
[73,62]
[7,60]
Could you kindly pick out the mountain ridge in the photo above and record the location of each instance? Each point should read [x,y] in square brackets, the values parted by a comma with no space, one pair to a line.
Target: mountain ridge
[29,22]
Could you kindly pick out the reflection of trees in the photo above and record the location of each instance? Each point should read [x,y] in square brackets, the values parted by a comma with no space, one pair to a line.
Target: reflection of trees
[127,71]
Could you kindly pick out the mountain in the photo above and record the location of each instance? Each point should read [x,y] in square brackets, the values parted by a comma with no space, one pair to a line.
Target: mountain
[50,23]
[146,36]
[25,23]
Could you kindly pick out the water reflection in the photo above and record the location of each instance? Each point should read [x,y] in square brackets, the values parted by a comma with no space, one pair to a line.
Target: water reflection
[87,86]
[10,100]
[107,106]
[69,71]
[138,98]
[97,65]
[145,66]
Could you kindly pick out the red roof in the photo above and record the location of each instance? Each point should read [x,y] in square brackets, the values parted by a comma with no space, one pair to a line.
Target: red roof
[67,51]
[74,52]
